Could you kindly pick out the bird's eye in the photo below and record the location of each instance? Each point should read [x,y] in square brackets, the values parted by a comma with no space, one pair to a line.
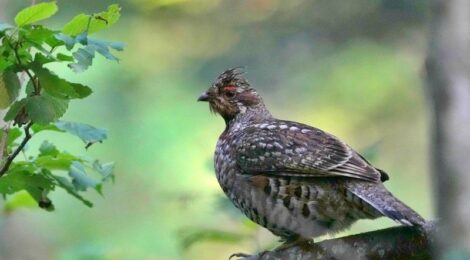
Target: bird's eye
[229,91]
[230,94]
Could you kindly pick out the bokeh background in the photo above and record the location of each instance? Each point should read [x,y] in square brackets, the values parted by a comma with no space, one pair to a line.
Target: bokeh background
[353,68]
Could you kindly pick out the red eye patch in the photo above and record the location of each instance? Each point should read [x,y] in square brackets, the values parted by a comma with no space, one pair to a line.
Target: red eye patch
[230,88]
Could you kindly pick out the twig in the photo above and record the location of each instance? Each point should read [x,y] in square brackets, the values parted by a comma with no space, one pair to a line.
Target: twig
[37,90]
[15,153]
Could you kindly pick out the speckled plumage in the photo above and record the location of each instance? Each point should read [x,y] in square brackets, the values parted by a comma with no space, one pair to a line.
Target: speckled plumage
[296,180]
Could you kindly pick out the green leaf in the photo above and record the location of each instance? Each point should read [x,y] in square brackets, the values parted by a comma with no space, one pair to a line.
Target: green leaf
[87,133]
[7,54]
[61,161]
[67,40]
[82,38]
[9,88]
[13,134]
[102,48]
[48,148]
[77,25]
[66,185]
[19,179]
[98,22]
[58,87]
[82,91]
[38,128]
[15,109]
[40,34]
[119,46]
[63,57]
[35,13]
[29,89]
[4,63]
[84,58]
[45,109]
[80,180]
[105,169]
[39,58]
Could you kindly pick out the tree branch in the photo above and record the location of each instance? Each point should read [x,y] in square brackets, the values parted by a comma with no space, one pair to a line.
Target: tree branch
[15,153]
[391,243]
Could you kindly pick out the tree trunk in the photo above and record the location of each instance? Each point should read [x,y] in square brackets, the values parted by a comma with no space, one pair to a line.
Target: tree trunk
[448,73]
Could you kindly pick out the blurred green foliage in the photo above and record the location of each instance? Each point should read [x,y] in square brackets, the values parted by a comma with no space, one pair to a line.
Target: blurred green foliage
[34,98]
[352,68]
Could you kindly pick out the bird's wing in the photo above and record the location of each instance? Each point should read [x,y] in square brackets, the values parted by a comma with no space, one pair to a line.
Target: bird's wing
[292,149]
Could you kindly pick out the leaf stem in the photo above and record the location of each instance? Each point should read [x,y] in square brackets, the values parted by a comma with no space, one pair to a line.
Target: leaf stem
[37,90]
[15,153]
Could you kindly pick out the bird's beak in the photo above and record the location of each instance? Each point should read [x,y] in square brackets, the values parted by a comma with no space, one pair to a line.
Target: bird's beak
[203,97]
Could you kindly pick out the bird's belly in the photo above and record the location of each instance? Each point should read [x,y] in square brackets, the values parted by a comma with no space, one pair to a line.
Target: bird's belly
[289,208]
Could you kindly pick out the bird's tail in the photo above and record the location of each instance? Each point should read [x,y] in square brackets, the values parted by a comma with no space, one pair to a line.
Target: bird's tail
[377,196]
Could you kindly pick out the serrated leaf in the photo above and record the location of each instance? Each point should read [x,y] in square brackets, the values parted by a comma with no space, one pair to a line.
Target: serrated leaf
[77,25]
[35,13]
[108,55]
[84,58]
[40,34]
[105,169]
[66,185]
[15,109]
[63,57]
[9,88]
[102,47]
[38,128]
[58,87]
[119,46]
[61,161]
[48,148]
[67,40]
[88,134]
[82,91]
[39,58]
[80,180]
[98,22]
[82,38]
[45,109]
[20,179]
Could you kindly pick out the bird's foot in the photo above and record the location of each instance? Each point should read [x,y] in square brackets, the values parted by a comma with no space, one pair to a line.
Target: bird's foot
[300,242]
[247,256]
[239,256]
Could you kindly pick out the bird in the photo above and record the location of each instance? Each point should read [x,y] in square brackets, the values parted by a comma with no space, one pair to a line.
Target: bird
[295,180]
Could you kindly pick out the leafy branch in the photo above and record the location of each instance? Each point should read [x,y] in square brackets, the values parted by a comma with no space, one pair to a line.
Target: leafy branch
[37,103]
[12,156]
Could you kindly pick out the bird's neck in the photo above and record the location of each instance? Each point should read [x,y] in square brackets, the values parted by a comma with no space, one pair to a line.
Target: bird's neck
[248,115]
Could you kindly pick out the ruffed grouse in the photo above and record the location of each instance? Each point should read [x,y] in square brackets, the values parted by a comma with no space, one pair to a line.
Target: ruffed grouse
[293,179]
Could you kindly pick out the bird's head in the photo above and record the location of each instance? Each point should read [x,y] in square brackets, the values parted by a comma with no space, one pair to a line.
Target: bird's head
[230,95]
